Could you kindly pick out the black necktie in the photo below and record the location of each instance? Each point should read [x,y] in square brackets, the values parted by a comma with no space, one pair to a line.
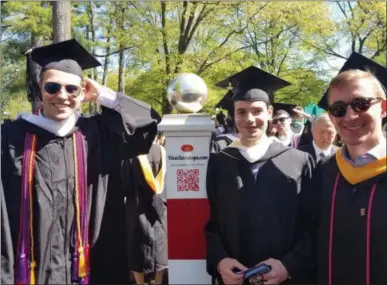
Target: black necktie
[321,156]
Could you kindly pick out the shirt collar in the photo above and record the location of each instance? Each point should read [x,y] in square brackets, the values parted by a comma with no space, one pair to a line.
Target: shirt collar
[377,152]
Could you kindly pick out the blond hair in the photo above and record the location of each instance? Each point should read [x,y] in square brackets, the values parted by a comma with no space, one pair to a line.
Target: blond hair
[354,75]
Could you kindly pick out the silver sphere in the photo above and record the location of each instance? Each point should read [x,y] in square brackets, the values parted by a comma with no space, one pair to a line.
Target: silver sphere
[187,93]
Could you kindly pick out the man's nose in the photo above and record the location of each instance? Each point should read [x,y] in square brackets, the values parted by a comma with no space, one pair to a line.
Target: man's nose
[350,113]
[250,117]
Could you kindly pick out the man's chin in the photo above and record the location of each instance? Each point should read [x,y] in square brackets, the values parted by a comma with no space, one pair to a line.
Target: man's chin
[61,116]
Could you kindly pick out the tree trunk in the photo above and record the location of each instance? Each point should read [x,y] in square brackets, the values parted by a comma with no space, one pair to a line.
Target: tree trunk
[121,61]
[61,19]
[106,63]
[36,41]
[121,72]
[167,108]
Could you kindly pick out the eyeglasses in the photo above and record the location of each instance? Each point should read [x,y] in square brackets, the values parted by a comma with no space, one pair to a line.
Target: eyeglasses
[280,120]
[52,88]
[359,105]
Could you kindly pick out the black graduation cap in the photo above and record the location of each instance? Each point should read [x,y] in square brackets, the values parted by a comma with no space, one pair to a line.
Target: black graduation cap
[358,61]
[226,102]
[67,56]
[253,78]
[284,106]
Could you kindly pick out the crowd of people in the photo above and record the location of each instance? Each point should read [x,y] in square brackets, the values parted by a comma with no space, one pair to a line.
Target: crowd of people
[83,198]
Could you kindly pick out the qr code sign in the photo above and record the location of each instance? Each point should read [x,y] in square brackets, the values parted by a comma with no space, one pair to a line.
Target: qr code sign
[187,179]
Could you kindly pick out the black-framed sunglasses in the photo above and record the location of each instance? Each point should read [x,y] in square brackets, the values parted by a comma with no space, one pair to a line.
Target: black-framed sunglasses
[339,108]
[52,88]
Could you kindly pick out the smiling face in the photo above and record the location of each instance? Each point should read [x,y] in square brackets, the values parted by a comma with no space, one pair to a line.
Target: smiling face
[251,120]
[60,105]
[358,128]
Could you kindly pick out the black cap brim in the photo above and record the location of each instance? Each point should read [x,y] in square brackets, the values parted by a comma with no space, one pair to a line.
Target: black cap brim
[66,50]
[284,106]
[358,61]
[226,102]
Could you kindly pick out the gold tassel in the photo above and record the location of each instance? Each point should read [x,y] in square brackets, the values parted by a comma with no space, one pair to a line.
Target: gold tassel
[82,270]
[32,272]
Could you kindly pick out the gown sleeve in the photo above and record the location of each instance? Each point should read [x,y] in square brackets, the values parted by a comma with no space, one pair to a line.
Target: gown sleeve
[300,260]
[135,122]
[215,249]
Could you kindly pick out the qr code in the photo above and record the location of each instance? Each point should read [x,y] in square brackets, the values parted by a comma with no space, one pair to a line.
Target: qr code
[187,179]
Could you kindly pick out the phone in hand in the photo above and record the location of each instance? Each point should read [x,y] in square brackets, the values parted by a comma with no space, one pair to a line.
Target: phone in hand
[257,270]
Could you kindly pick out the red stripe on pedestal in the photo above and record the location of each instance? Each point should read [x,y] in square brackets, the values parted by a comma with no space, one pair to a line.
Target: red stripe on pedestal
[186,221]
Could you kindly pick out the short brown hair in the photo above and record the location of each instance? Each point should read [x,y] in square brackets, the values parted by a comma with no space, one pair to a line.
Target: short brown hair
[353,75]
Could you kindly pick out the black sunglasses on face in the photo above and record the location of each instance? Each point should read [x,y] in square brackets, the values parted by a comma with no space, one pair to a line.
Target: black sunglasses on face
[52,88]
[339,108]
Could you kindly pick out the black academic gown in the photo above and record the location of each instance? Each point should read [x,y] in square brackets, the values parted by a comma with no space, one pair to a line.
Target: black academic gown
[350,228]
[267,216]
[109,137]
[147,236]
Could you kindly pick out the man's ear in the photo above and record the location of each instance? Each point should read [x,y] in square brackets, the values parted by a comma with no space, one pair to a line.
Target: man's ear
[270,111]
[384,108]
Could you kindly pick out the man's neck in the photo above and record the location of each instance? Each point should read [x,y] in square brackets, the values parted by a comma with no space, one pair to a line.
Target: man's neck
[250,143]
[323,148]
[355,150]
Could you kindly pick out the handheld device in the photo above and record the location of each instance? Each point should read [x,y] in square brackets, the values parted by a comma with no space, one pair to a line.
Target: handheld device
[257,270]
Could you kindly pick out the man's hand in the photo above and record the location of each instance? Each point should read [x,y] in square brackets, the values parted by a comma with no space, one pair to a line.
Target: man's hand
[225,268]
[91,90]
[277,275]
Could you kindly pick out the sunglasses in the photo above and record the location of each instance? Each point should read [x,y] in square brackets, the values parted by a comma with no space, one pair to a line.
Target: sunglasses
[282,120]
[53,88]
[359,105]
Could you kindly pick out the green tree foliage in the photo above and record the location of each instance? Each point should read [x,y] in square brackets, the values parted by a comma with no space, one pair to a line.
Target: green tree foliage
[158,39]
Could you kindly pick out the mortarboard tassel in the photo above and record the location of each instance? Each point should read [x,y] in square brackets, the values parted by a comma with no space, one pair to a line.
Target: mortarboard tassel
[32,272]
[82,268]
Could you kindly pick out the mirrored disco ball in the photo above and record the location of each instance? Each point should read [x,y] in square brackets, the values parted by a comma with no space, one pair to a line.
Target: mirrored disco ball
[187,93]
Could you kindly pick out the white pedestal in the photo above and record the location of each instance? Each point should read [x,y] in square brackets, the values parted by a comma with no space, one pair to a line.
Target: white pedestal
[187,146]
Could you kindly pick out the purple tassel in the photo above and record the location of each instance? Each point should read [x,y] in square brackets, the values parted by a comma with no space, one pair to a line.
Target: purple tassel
[21,275]
[75,268]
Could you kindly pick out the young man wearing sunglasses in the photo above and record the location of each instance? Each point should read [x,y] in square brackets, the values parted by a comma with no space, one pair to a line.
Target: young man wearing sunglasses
[352,229]
[56,167]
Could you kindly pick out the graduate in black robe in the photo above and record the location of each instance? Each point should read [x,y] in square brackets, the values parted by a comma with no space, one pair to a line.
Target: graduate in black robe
[259,199]
[352,229]
[147,235]
[56,168]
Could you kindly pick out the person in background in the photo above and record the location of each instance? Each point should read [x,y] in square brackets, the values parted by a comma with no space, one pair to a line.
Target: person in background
[324,135]
[282,122]
[146,215]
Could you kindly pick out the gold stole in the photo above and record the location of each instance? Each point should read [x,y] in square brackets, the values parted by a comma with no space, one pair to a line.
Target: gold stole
[356,175]
[156,184]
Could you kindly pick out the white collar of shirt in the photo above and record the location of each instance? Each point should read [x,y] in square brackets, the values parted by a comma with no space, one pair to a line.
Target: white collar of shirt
[253,153]
[318,150]
[107,98]
[379,150]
